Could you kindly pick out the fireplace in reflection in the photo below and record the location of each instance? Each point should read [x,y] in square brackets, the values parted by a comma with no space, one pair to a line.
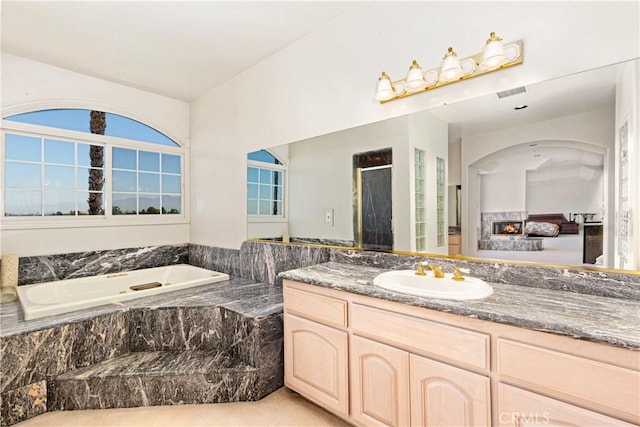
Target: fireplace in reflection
[513,228]
[505,231]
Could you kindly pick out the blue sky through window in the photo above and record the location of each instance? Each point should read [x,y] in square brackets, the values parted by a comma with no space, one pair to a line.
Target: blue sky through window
[78,120]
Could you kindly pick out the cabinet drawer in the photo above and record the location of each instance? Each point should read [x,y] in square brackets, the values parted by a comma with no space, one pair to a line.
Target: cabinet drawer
[327,310]
[422,336]
[605,387]
[518,407]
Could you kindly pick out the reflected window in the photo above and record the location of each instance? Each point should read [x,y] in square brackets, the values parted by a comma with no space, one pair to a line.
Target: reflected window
[440,186]
[265,185]
[49,171]
[420,200]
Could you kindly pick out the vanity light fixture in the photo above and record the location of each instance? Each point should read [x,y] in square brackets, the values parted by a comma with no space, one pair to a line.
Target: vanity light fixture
[495,56]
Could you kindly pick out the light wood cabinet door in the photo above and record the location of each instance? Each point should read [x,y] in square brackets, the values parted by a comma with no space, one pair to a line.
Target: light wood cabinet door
[520,408]
[316,363]
[442,395]
[379,384]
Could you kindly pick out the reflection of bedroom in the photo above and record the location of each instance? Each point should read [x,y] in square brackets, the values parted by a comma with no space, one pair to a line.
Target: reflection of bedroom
[553,192]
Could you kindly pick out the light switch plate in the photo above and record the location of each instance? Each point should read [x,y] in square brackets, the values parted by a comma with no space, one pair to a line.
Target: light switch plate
[328,216]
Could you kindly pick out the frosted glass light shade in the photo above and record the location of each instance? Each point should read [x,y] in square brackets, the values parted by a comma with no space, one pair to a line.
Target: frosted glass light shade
[451,69]
[415,79]
[384,91]
[493,55]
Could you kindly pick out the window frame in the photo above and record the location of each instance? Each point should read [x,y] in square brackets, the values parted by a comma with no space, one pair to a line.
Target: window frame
[108,219]
[285,191]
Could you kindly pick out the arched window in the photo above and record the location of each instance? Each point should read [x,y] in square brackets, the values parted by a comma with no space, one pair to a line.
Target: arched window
[265,185]
[72,163]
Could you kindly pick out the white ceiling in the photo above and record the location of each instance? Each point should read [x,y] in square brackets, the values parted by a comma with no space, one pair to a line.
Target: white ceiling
[179,49]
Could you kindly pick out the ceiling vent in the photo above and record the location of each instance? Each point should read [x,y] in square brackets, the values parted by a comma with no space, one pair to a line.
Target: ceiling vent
[511,92]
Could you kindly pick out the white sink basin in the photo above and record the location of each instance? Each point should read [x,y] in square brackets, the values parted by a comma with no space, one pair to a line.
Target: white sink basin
[407,282]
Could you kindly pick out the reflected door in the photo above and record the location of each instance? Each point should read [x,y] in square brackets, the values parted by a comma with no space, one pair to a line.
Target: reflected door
[376,229]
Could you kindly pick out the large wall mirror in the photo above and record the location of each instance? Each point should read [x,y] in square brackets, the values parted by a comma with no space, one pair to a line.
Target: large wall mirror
[538,173]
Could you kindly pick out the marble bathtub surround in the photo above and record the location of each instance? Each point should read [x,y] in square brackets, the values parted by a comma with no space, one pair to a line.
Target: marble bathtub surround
[204,344]
[600,319]
[259,261]
[48,268]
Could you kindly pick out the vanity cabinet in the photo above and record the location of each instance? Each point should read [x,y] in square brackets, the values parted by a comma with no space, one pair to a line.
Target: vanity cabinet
[316,351]
[397,385]
[455,244]
[443,395]
[316,364]
[379,384]
[380,363]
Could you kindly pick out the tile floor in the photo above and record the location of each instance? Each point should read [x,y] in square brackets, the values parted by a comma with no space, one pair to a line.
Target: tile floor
[281,408]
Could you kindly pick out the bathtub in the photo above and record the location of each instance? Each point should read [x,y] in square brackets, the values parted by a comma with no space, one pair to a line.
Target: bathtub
[63,296]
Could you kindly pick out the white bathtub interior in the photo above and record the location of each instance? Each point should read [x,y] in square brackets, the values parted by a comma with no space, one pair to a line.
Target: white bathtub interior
[50,298]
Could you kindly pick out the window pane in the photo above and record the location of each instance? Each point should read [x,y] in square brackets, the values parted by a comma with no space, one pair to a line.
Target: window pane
[252,207]
[125,127]
[149,161]
[149,182]
[59,203]
[263,156]
[277,177]
[149,204]
[124,181]
[22,203]
[252,174]
[278,193]
[252,191]
[78,120]
[70,119]
[170,204]
[61,152]
[83,178]
[59,178]
[90,155]
[20,147]
[278,207]
[265,176]
[170,183]
[124,204]
[265,207]
[124,158]
[266,191]
[85,199]
[22,175]
[170,163]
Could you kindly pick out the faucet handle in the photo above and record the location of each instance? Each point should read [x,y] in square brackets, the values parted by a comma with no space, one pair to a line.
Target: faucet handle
[457,275]
[420,270]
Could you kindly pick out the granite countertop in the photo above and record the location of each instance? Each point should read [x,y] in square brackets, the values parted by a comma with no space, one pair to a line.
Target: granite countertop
[599,319]
[240,295]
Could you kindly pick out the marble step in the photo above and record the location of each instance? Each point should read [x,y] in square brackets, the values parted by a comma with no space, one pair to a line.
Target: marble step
[154,378]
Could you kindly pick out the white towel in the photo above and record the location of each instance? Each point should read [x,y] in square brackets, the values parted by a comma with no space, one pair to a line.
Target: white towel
[8,278]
